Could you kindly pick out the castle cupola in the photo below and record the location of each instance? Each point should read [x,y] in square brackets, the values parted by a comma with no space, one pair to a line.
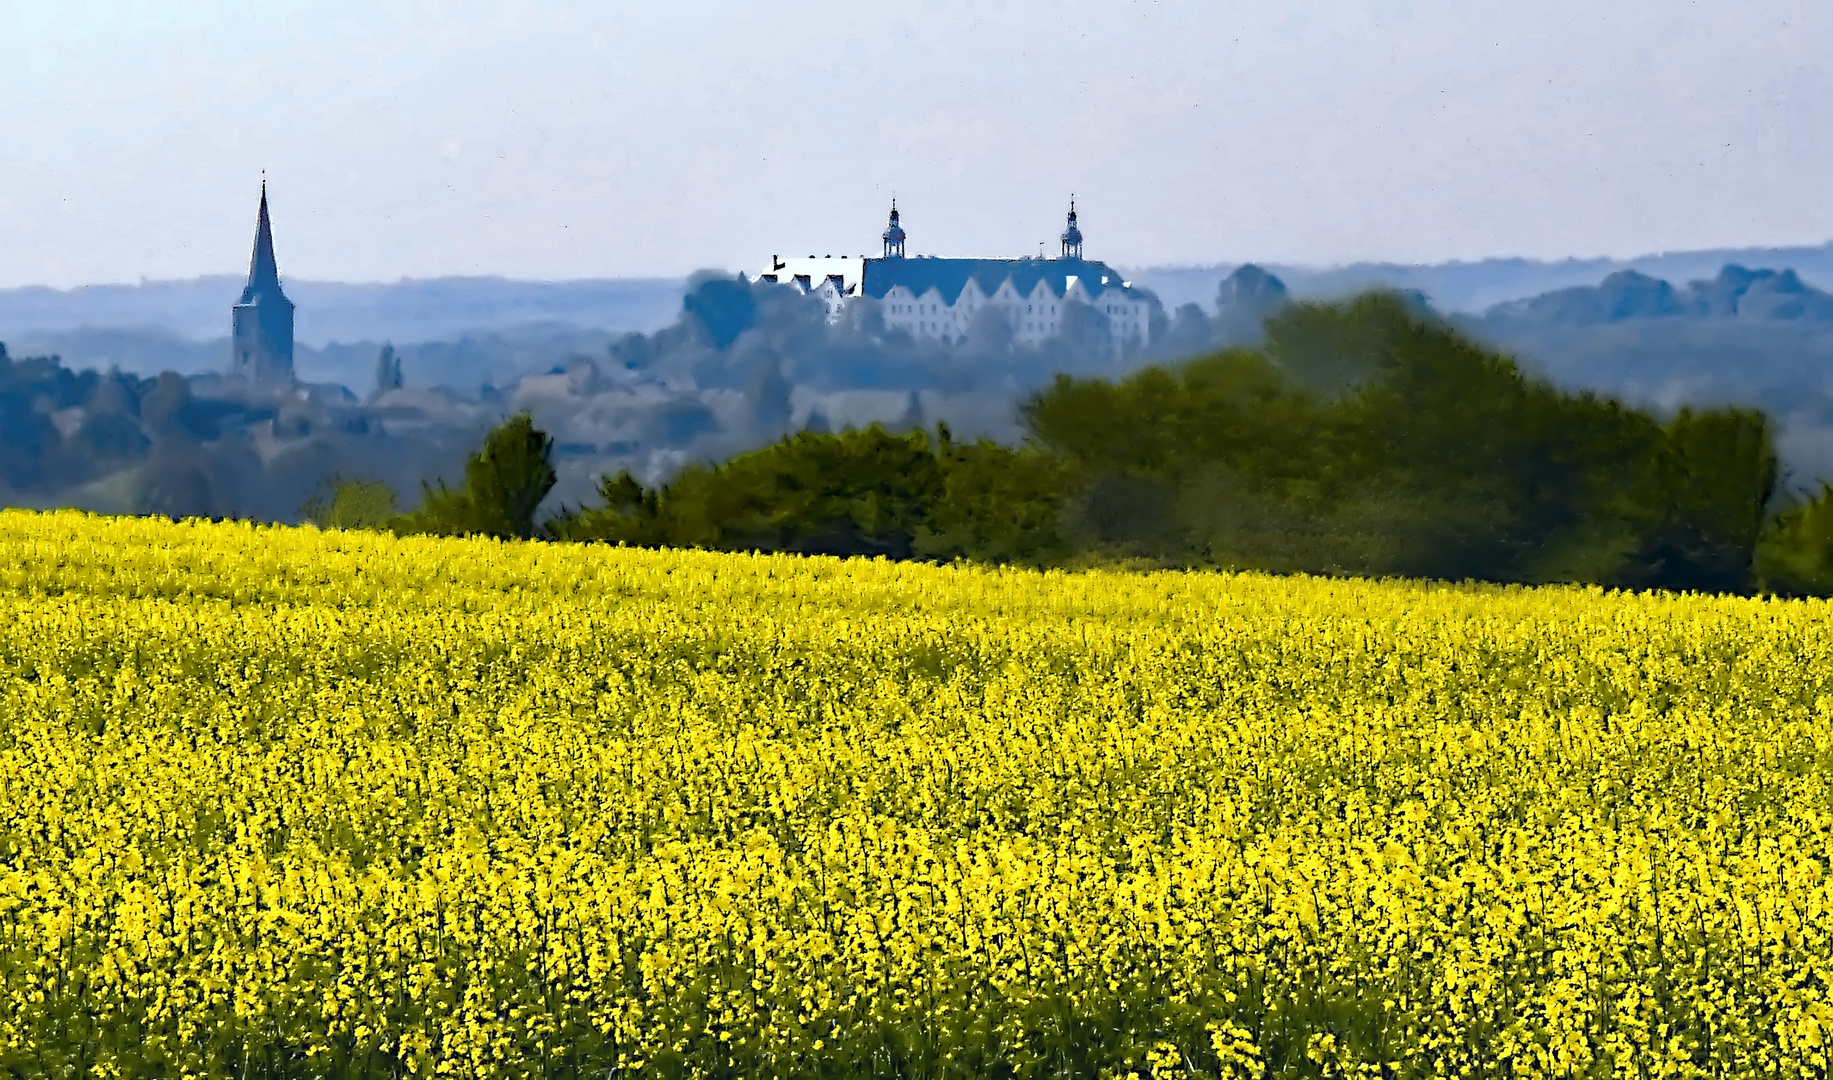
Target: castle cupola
[894,236]
[1072,236]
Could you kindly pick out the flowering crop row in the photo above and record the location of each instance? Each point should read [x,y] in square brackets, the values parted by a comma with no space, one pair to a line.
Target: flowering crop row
[286,803]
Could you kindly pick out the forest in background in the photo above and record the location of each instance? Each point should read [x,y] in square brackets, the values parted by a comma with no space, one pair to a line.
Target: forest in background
[1370,436]
[1365,438]
[743,364]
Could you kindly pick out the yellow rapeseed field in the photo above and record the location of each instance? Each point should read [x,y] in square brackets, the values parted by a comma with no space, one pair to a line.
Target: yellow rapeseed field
[276,802]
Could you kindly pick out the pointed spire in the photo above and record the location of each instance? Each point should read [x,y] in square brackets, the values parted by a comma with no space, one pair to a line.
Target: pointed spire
[263,271]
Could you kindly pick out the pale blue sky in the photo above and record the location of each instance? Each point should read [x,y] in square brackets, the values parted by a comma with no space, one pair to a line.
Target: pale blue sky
[567,141]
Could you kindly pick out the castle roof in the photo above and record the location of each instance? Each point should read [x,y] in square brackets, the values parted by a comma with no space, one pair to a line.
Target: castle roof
[950,276]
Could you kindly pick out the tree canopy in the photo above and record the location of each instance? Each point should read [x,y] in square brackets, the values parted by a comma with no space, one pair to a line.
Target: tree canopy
[1366,437]
[505,482]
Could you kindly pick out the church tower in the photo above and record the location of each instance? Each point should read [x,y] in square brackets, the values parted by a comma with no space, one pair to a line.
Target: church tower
[262,322]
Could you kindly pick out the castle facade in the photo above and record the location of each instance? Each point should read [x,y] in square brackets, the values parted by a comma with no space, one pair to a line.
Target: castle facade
[941,298]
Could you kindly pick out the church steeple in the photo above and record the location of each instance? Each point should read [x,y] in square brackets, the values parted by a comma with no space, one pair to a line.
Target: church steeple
[263,271]
[261,341]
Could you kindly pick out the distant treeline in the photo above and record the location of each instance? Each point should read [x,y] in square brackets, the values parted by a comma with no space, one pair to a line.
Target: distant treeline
[116,442]
[1365,438]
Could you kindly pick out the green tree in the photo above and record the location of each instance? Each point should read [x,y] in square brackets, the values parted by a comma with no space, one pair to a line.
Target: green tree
[1370,437]
[1709,485]
[505,482]
[351,503]
[1795,554]
[865,492]
[854,493]
[388,371]
[996,504]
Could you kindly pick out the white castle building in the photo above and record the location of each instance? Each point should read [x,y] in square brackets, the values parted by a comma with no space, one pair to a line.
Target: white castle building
[939,298]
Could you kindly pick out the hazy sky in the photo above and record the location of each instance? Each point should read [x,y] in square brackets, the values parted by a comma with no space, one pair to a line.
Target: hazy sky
[596,139]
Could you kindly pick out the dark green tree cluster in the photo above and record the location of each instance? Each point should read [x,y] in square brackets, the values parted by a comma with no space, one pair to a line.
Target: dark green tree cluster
[1795,554]
[865,492]
[350,503]
[504,485]
[1369,438]
[109,419]
[1364,438]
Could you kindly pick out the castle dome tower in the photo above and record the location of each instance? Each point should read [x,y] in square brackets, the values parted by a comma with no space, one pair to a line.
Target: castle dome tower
[262,321]
[894,236]
[1072,236]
